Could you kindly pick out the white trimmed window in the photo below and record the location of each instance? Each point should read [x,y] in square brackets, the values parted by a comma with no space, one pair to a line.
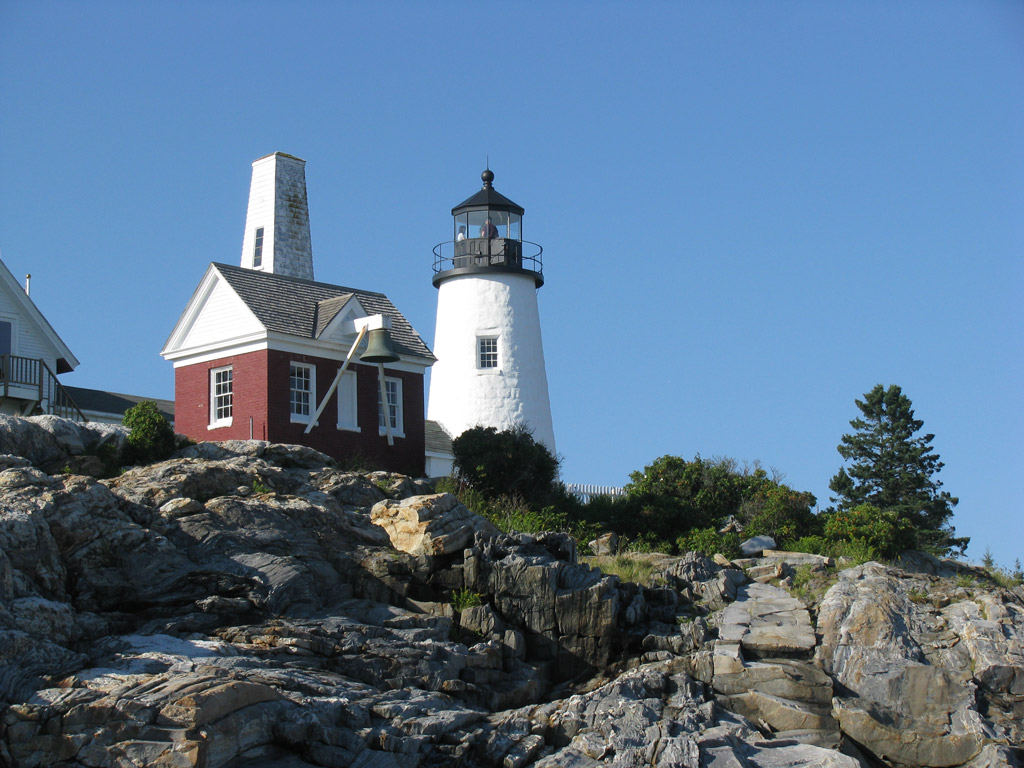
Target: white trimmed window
[393,387]
[221,396]
[302,389]
[348,413]
[257,249]
[487,352]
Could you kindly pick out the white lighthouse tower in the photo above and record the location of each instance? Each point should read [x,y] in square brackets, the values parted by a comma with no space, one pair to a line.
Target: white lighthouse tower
[490,359]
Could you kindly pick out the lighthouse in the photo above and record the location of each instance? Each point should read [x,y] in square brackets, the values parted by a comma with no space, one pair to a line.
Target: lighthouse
[490,358]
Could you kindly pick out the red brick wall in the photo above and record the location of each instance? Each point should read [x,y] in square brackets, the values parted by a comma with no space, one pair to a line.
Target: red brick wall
[192,398]
[261,390]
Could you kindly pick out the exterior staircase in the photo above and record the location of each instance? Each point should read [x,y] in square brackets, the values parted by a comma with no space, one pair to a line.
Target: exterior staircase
[28,387]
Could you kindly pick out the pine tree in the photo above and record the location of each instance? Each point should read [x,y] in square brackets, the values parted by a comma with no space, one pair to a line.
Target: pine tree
[894,470]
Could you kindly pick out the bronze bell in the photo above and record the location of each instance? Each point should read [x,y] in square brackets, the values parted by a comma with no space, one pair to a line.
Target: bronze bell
[378,347]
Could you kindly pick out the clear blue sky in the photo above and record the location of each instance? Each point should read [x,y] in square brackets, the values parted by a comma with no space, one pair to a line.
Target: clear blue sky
[751,212]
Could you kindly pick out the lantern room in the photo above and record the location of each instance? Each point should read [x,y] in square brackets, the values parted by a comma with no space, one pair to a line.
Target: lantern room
[487,235]
[488,215]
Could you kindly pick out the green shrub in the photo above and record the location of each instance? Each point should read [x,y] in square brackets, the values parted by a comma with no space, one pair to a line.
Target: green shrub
[856,551]
[881,530]
[1005,578]
[778,511]
[965,580]
[672,496]
[810,583]
[814,545]
[464,598]
[151,438]
[708,542]
[507,463]
[645,543]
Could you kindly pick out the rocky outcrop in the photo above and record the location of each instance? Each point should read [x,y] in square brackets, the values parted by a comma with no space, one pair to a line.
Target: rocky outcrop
[429,525]
[250,604]
[914,678]
[50,442]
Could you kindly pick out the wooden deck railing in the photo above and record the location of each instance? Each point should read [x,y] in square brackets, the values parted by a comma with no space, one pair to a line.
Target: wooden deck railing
[18,374]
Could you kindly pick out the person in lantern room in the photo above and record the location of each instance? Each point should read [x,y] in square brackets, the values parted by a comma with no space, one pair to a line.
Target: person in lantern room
[488,230]
[462,233]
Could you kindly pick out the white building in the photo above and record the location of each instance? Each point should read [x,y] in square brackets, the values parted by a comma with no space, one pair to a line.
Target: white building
[31,356]
[490,357]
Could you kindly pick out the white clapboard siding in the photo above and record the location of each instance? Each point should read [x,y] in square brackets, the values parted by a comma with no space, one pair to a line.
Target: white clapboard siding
[28,340]
[224,316]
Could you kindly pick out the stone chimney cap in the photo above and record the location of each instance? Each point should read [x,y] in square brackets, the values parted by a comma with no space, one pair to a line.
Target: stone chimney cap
[282,154]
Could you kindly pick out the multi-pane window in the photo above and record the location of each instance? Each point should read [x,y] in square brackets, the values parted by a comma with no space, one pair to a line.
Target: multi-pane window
[301,383]
[257,249]
[393,388]
[487,352]
[221,397]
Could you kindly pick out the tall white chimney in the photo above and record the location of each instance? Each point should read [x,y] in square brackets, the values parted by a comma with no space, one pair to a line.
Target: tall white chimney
[277,221]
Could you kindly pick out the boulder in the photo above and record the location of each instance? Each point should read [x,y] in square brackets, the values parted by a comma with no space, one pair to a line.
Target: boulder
[437,524]
[605,544]
[29,440]
[754,546]
[901,704]
[278,454]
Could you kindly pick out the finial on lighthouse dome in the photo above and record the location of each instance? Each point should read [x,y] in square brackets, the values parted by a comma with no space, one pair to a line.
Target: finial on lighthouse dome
[487,176]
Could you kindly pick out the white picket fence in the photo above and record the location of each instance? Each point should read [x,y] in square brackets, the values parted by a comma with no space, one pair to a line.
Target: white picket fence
[586,491]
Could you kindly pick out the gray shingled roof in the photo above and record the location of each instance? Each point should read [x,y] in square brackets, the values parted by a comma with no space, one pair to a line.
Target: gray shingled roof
[437,439]
[98,401]
[290,305]
[327,310]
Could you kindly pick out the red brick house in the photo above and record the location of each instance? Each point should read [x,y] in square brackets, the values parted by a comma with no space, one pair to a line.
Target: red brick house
[258,346]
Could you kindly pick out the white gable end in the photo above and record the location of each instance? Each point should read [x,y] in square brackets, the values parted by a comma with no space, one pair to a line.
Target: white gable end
[30,334]
[224,317]
[216,318]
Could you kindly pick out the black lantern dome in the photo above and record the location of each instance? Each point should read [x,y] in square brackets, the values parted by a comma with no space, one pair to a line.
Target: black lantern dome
[487,236]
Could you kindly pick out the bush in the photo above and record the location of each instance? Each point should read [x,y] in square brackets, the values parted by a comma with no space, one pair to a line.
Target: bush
[672,497]
[857,551]
[512,514]
[506,463]
[151,438]
[465,598]
[778,511]
[883,531]
[814,545]
[708,542]
[646,543]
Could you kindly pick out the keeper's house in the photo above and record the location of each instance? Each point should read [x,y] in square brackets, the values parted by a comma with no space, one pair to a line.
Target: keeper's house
[258,350]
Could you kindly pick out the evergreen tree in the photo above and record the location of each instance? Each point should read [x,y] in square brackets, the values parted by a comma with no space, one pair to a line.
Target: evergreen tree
[893,468]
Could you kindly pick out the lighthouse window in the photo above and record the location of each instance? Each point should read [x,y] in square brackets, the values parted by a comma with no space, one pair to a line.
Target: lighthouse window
[302,385]
[393,388]
[488,351]
[257,249]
